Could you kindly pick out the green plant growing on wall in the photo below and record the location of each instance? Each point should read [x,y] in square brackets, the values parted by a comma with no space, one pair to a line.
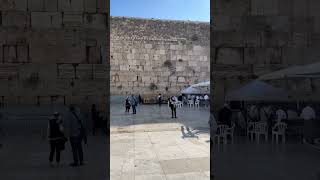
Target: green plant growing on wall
[153,87]
[194,37]
[168,64]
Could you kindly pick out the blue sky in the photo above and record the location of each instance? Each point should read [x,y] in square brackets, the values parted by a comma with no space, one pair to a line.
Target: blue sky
[194,10]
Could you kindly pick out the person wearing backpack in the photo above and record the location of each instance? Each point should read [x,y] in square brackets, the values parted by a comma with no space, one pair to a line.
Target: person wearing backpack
[134,104]
[56,137]
[77,134]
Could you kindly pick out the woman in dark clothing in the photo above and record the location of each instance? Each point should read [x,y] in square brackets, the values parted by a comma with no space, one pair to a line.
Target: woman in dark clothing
[140,99]
[127,105]
[56,137]
[172,105]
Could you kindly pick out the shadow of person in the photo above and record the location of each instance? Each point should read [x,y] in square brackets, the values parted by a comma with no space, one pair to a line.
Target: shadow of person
[183,133]
[188,134]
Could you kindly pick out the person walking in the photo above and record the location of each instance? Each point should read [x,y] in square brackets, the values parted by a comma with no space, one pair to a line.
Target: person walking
[172,104]
[159,99]
[94,117]
[77,135]
[134,104]
[127,104]
[56,137]
[140,99]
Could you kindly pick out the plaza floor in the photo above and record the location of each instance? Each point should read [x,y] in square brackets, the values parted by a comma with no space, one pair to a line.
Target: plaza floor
[27,158]
[150,145]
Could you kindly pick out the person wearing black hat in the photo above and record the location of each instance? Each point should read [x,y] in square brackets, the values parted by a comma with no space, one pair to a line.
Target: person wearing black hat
[56,137]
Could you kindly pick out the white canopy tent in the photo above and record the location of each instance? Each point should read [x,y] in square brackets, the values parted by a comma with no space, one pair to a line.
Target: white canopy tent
[202,84]
[302,71]
[258,91]
[200,88]
[191,90]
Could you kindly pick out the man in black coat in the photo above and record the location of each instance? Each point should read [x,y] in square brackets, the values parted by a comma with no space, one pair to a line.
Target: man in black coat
[225,115]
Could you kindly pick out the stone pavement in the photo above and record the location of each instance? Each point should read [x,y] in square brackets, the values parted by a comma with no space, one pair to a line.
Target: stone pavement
[290,161]
[151,146]
[27,158]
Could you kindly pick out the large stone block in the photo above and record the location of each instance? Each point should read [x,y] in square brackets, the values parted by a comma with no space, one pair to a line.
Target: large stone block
[51,5]
[8,72]
[231,8]
[71,5]
[36,5]
[95,21]
[261,7]
[15,19]
[66,71]
[71,19]
[22,53]
[90,6]
[10,54]
[230,56]
[285,7]
[314,8]
[46,20]
[20,5]
[300,8]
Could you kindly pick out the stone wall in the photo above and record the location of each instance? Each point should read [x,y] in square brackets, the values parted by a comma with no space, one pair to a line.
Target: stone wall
[151,56]
[253,37]
[54,52]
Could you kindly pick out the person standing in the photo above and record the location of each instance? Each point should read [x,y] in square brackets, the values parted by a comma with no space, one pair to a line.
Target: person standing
[206,100]
[281,115]
[140,99]
[127,104]
[172,104]
[94,117]
[77,135]
[308,115]
[134,104]
[225,115]
[159,99]
[56,137]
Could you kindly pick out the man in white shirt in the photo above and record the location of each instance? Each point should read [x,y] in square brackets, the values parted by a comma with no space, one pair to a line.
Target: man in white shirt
[253,113]
[308,113]
[281,115]
[206,100]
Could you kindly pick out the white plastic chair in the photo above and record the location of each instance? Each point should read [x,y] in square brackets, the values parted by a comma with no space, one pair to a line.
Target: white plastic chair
[250,130]
[179,104]
[190,103]
[229,132]
[279,129]
[197,103]
[221,132]
[261,128]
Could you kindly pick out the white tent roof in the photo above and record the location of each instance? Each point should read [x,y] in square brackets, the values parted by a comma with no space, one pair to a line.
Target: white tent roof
[258,91]
[191,90]
[304,71]
[202,84]
[200,88]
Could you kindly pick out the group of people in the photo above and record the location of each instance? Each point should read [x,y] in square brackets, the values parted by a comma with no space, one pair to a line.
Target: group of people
[195,98]
[132,102]
[58,135]
[270,114]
